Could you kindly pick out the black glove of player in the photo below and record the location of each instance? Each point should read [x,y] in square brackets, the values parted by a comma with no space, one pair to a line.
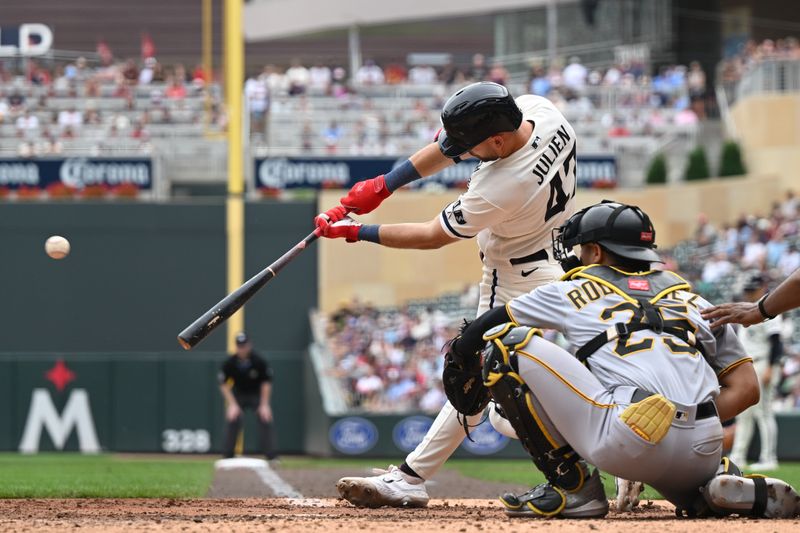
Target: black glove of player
[463,383]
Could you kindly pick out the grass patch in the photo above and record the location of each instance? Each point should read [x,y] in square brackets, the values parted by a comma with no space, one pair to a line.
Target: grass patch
[72,475]
[67,475]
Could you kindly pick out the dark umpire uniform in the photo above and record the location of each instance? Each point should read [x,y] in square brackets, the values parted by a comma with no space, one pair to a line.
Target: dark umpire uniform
[246,381]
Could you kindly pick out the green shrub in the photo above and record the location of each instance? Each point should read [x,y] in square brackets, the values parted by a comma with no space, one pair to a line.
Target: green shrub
[697,169]
[730,161]
[657,173]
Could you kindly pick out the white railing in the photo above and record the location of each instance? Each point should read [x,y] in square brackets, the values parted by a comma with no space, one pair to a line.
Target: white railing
[780,75]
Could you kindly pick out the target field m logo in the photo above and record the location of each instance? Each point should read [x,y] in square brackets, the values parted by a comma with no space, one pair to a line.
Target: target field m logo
[43,415]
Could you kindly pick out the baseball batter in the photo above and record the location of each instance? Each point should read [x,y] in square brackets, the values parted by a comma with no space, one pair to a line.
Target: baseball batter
[523,187]
[643,394]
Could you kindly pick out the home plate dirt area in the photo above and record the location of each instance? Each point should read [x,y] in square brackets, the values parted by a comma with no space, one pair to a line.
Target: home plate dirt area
[315,507]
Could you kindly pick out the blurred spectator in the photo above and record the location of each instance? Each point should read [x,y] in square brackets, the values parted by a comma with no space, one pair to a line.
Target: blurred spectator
[619,129]
[422,75]
[575,75]
[130,72]
[257,95]
[148,72]
[307,137]
[200,77]
[696,82]
[276,80]
[716,268]
[790,261]
[319,78]
[297,76]
[613,75]
[16,102]
[754,254]
[70,118]
[498,73]
[79,71]
[27,125]
[176,89]
[139,131]
[705,233]
[789,207]
[395,73]
[686,118]
[451,74]
[339,83]
[331,135]
[369,74]
[477,70]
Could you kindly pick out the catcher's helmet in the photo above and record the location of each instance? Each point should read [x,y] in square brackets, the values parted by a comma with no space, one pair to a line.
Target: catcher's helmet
[624,230]
[474,114]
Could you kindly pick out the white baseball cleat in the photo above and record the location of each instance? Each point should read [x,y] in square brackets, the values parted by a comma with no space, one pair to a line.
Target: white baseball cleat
[627,494]
[390,488]
[766,465]
[751,496]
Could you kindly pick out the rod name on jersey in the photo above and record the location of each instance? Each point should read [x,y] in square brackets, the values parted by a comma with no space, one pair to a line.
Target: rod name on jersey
[556,145]
[588,291]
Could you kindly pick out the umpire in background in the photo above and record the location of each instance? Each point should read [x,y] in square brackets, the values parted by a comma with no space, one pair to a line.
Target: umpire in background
[246,383]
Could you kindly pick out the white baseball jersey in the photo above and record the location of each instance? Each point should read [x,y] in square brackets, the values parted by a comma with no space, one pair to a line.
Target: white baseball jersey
[512,204]
[755,339]
[659,363]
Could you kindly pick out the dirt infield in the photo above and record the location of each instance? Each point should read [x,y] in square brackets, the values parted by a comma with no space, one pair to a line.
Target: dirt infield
[280,515]
[319,510]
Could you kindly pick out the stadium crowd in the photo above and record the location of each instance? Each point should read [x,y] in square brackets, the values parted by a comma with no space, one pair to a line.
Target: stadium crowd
[390,360]
[47,110]
[98,106]
[751,53]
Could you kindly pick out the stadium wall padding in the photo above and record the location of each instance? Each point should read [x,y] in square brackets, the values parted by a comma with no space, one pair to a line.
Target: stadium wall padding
[141,402]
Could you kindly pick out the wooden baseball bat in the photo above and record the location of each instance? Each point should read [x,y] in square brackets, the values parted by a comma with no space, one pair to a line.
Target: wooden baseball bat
[222,310]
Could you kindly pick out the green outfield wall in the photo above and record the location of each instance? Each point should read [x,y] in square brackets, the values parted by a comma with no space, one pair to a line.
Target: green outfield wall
[138,273]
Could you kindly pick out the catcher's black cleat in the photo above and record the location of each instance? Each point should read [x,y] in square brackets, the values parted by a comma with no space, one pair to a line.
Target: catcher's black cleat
[546,500]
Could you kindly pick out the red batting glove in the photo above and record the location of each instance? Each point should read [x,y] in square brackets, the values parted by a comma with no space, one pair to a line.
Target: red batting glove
[366,195]
[334,214]
[346,228]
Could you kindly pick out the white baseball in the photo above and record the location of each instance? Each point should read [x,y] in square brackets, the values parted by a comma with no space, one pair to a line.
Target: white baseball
[57,247]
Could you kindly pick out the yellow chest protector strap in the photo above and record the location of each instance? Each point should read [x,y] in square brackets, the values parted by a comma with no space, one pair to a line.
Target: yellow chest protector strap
[644,289]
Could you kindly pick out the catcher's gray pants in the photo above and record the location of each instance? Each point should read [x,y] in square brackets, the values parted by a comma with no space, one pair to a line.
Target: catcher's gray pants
[498,286]
[576,408]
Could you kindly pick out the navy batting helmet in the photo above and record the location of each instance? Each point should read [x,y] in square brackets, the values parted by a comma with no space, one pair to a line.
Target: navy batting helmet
[624,230]
[474,114]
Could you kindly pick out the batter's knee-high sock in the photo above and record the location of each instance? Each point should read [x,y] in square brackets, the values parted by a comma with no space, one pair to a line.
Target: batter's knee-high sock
[404,468]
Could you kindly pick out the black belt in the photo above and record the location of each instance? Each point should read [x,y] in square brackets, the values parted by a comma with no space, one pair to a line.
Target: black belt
[703,410]
[541,255]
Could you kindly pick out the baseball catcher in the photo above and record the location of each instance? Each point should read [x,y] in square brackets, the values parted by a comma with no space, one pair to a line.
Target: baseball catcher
[644,392]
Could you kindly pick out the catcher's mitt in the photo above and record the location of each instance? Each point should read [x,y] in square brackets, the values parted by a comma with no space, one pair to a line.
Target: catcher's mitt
[463,383]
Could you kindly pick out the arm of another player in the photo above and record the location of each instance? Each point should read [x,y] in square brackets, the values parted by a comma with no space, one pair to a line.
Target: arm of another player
[365,196]
[264,408]
[739,389]
[785,297]
[232,410]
